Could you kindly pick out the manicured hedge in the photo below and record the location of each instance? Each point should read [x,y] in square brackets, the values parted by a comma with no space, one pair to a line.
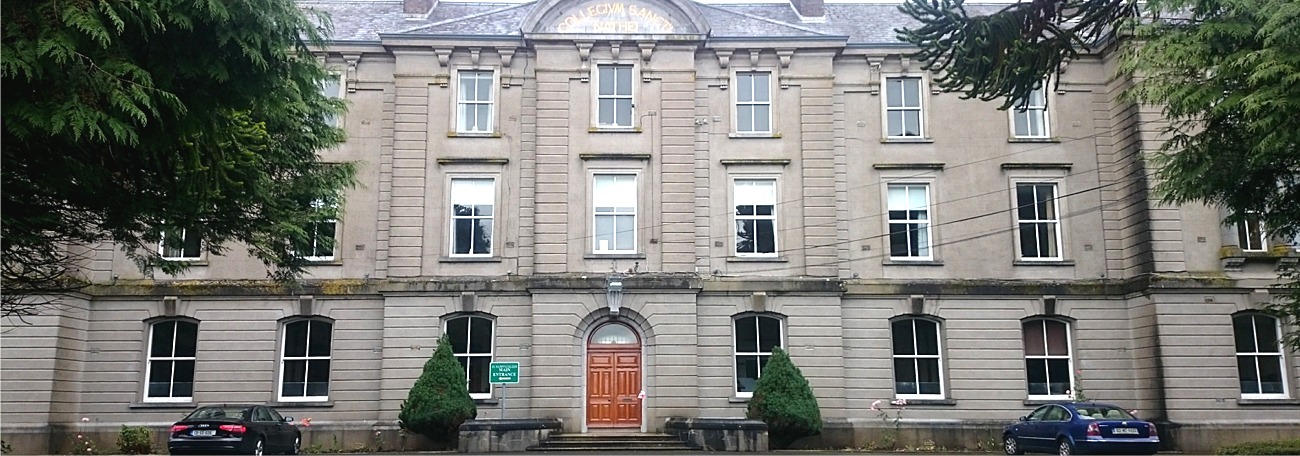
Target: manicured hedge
[1287,446]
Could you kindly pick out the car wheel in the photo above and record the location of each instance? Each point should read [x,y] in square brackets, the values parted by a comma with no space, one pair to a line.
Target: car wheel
[1011,446]
[258,448]
[297,445]
[1066,448]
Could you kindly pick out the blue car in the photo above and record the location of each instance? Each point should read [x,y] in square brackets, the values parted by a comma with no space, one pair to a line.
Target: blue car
[1080,428]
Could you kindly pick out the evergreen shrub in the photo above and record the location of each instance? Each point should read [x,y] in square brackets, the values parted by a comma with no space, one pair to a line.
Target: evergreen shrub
[134,440]
[439,401]
[784,401]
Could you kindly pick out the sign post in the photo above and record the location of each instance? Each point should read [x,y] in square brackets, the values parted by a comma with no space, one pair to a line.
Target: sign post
[503,374]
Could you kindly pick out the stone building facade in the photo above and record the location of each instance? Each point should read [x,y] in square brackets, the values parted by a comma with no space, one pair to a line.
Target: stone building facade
[636,200]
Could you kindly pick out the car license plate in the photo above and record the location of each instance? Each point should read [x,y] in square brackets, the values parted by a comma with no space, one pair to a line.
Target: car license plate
[203,433]
[1131,431]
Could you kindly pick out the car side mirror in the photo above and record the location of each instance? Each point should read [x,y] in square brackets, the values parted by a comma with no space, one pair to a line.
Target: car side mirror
[288,419]
[1024,418]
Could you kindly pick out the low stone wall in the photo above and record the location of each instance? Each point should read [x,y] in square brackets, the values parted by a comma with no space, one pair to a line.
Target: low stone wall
[720,434]
[505,436]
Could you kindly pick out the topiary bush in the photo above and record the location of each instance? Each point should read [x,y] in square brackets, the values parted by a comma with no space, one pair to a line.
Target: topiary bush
[134,440]
[784,401]
[1287,446]
[439,401]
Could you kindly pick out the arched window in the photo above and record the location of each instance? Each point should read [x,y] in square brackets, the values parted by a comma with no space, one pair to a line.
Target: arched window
[1260,365]
[1048,366]
[755,336]
[918,363]
[169,373]
[471,341]
[305,360]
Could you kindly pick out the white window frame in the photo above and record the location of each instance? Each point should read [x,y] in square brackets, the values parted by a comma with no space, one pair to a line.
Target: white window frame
[307,358]
[1021,224]
[335,80]
[463,103]
[741,197]
[1026,110]
[922,86]
[597,95]
[1047,356]
[185,234]
[736,353]
[1258,355]
[599,197]
[925,224]
[1256,240]
[315,237]
[150,359]
[738,101]
[469,334]
[916,357]
[475,199]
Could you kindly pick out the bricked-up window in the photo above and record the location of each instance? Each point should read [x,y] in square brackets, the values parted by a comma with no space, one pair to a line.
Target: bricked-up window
[474,101]
[1260,360]
[180,244]
[909,221]
[614,96]
[1047,359]
[756,335]
[472,202]
[904,117]
[1250,234]
[917,362]
[614,206]
[755,217]
[170,370]
[1039,223]
[305,361]
[1029,118]
[753,102]
[471,341]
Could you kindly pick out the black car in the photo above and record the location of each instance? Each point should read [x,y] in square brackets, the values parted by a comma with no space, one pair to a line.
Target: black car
[235,429]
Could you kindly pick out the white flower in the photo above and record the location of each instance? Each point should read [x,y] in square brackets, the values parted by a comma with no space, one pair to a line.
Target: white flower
[875,405]
[84,418]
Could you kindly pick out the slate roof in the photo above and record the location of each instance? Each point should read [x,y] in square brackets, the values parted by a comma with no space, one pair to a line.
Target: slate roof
[859,23]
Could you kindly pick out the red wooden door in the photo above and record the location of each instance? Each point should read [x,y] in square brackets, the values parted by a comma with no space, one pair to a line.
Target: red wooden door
[614,387]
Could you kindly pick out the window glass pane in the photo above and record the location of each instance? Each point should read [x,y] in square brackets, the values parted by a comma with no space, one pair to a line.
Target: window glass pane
[744,88]
[769,334]
[911,92]
[191,248]
[765,231]
[626,232]
[1057,342]
[624,80]
[744,234]
[894,93]
[745,118]
[1248,373]
[905,376]
[903,338]
[1266,334]
[746,373]
[1036,371]
[1058,374]
[318,377]
[927,337]
[295,372]
[164,334]
[895,126]
[606,111]
[1270,374]
[624,112]
[762,118]
[183,379]
[186,337]
[747,335]
[480,335]
[613,334]
[478,374]
[1025,202]
[484,87]
[898,237]
[762,90]
[330,87]
[458,334]
[320,339]
[1244,333]
[483,237]
[911,123]
[467,86]
[295,339]
[160,378]
[606,77]
[1021,123]
[1033,335]
[464,235]
[1029,246]
[927,376]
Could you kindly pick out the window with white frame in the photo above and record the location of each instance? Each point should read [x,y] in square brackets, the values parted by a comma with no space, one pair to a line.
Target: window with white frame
[753,94]
[474,101]
[756,336]
[1260,362]
[917,360]
[909,221]
[614,102]
[472,203]
[318,242]
[755,217]
[904,117]
[471,341]
[1029,117]
[1038,221]
[332,87]
[614,206]
[1250,234]
[1048,366]
[305,360]
[169,372]
[180,244]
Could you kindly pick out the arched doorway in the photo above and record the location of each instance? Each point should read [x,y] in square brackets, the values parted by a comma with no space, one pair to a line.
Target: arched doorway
[613,377]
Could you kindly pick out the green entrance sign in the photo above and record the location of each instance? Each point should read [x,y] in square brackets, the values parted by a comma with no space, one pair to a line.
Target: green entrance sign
[499,373]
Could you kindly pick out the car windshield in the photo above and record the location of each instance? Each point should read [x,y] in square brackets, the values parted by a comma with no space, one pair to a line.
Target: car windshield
[1103,412]
[209,413]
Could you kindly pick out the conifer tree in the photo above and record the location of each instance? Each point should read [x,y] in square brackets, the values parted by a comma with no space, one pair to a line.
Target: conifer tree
[784,400]
[439,401]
